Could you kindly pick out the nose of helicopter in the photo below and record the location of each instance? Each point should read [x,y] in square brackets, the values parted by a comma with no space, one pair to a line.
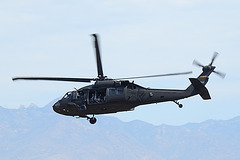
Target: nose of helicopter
[56,106]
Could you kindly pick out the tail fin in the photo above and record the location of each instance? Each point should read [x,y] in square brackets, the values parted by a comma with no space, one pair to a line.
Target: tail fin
[200,88]
[198,84]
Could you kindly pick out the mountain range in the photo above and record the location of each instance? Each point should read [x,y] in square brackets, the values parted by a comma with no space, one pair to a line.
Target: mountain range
[40,133]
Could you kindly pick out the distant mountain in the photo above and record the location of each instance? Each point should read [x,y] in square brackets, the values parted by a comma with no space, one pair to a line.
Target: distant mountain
[39,133]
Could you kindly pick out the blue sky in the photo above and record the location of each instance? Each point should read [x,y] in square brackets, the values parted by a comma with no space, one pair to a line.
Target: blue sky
[51,38]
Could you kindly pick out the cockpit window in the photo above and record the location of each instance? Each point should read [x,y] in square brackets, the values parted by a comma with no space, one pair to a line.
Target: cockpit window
[67,95]
[74,95]
[71,95]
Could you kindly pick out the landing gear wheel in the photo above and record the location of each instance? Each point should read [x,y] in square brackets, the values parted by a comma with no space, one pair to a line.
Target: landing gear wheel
[93,120]
[180,106]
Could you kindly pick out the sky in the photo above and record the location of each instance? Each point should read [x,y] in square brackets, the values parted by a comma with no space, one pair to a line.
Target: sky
[52,38]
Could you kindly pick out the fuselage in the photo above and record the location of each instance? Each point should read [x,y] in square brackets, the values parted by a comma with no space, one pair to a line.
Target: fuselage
[111,97]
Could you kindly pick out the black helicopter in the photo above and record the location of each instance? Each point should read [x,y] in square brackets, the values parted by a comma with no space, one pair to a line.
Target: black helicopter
[115,95]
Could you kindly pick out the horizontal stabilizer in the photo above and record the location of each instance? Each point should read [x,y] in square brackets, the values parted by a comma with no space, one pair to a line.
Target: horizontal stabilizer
[203,92]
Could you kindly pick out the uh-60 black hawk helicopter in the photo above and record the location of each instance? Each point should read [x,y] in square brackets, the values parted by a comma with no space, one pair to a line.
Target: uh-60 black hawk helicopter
[115,95]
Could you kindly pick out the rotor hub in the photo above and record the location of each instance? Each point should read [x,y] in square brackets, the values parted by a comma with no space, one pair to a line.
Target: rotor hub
[208,68]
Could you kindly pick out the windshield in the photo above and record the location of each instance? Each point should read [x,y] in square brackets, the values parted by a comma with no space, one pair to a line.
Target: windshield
[67,95]
[71,95]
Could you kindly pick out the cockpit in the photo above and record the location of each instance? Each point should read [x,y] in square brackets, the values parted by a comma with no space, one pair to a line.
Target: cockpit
[67,95]
[72,95]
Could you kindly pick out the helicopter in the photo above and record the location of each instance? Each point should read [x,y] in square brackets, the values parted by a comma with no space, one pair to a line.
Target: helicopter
[108,95]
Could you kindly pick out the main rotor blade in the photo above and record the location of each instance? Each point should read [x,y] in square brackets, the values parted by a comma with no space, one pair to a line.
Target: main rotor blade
[214,57]
[159,75]
[98,57]
[55,79]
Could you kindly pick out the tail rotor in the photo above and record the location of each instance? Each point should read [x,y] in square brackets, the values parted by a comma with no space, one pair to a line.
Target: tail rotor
[210,66]
[196,63]
[215,54]
[221,74]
